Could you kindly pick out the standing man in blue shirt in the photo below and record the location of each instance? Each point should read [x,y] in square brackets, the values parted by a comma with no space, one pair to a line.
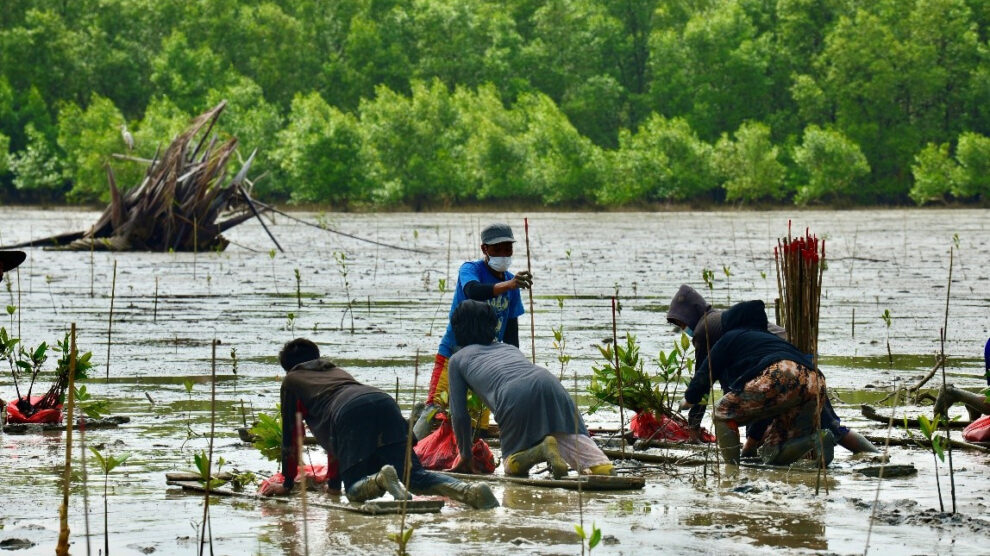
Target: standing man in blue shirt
[487,279]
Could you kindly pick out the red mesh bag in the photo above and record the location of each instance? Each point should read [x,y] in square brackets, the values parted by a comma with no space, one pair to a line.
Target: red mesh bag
[14,415]
[438,451]
[978,430]
[647,425]
[316,473]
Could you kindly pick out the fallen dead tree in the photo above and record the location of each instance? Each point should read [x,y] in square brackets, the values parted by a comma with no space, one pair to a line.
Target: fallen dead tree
[181,203]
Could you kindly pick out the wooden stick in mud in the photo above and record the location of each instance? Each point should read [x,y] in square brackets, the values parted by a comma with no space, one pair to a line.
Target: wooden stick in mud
[407,469]
[299,457]
[939,361]
[209,458]
[82,458]
[529,269]
[945,325]
[62,548]
[883,462]
[618,378]
[113,292]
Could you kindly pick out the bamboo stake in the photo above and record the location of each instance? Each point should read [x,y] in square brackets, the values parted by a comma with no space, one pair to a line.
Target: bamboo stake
[407,470]
[209,458]
[579,490]
[113,292]
[529,269]
[618,378]
[945,325]
[301,432]
[155,311]
[883,463]
[82,456]
[62,549]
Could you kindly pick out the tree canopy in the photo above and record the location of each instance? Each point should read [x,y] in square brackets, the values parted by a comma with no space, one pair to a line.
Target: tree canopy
[418,103]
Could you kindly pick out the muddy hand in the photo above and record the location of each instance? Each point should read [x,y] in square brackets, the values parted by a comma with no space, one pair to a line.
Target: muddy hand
[524,279]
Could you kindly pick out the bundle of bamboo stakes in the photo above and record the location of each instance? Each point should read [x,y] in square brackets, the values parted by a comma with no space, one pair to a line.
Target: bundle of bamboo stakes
[178,204]
[800,263]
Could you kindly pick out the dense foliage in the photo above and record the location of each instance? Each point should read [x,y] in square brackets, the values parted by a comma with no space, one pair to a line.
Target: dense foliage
[565,102]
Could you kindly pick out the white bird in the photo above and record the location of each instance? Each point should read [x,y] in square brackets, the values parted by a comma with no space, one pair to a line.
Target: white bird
[127,137]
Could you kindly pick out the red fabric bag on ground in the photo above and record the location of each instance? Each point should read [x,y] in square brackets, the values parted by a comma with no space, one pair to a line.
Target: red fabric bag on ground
[438,451]
[978,430]
[316,473]
[647,425]
[14,415]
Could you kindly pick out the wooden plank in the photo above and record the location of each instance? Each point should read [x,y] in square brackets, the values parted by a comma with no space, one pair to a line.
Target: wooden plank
[687,460]
[587,482]
[91,424]
[374,507]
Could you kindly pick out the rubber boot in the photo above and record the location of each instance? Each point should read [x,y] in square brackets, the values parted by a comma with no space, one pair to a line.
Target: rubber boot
[728,441]
[476,495]
[519,463]
[373,486]
[856,443]
[794,449]
[602,469]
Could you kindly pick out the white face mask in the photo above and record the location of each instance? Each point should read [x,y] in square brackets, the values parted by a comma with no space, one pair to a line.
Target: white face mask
[500,264]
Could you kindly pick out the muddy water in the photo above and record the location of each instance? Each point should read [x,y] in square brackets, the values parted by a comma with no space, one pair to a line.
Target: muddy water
[878,260]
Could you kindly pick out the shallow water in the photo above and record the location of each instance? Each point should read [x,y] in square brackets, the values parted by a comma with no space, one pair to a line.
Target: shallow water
[896,260]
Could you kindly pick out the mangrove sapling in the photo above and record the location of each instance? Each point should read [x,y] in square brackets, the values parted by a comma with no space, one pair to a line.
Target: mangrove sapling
[442,288]
[267,434]
[728,288]
[596,533]
[885,317]
[290,323]
[883,463]
[559,342]
[10,311]
[154,314]
[48,282]
[937,444]
[341,259]
[62,548]
[708,275]
[85,478]
[107,462]
[113,291]
[298,288]
[271,255]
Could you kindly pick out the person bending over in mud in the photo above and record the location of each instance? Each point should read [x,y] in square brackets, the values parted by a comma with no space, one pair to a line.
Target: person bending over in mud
[692,314]
[537,418]
[361,429]
[764,378]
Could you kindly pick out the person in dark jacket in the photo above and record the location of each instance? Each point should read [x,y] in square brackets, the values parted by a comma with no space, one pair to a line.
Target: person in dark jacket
[362,430]
[764,378]
[692,314]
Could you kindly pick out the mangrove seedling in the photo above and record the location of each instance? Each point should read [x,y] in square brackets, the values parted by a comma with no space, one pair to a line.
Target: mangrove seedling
[271,255]
[107,463]
[708,275]
[401,539]
[937,444]
[10,311]
[267,433]
[290,323]
[559,342]
[885,317]
[442,288]
[593,539]
[298,288]
[341,259]
[728,289]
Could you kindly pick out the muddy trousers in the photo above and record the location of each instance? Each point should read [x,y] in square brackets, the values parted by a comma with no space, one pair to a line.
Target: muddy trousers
[788,395]
[395,455]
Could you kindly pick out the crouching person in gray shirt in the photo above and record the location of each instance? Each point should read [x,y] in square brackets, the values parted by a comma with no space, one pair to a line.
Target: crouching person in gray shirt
[537,418]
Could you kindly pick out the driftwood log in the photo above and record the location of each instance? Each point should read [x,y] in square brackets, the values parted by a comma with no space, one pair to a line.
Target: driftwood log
[870,413]
[181,204]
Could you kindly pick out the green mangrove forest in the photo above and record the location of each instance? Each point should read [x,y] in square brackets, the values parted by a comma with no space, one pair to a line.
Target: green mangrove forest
[571,103]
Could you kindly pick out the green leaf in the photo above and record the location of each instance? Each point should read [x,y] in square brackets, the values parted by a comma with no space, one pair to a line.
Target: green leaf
[596,536]
[188,383]
[580,531]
